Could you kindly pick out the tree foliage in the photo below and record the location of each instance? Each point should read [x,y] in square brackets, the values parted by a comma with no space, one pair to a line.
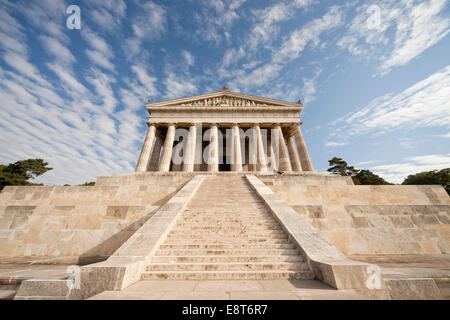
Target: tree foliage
[359,177]
[340,167]
[18,173]
[367,177]
[435,177]
[87,184]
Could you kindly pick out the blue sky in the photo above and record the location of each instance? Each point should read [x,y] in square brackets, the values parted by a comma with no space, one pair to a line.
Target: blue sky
[374,77]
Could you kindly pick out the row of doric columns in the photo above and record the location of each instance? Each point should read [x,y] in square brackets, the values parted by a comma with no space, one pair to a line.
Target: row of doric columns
[293,158]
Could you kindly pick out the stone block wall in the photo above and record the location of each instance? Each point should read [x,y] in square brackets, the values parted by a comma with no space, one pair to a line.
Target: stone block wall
[370,220]
[77,224]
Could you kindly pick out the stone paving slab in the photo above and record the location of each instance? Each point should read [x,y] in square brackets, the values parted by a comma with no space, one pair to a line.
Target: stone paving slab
[230,290]
[410,266]
[27,271]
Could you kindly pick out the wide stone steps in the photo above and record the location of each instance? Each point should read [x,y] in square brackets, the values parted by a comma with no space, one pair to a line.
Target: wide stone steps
[217,235]
[227,275]
[226,232]
[231,218]
[222,259]
[215,241]
[231,224]
[226,246]
[231,215]
[231,266]
[228,252]
[237,228]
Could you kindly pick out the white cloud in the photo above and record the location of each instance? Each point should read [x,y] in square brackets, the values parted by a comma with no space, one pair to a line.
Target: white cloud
[107,14]
[68,79]
[178,86]
[99,59]
[12,44]
[215,19]
[148,82]
[425,104]
[101,53]
[417,24]
[418,30]
[310,34]
[397,172]
[54,47]
[151,23]
[332,144]
[303,3]
[19,63]
[445,135]
[258,77]
[266,28]
[188,58]
[309,87]
[290,49]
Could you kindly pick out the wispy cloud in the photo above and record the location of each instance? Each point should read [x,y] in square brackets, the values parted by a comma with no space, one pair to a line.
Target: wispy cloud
[418,25]
[309,87]
[425,104]
[333,144]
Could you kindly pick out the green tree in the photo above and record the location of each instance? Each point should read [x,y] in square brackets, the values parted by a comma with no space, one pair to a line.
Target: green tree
[367,177]
[359,177]
[340,167]
[435,177]
[88,184]
[18,173]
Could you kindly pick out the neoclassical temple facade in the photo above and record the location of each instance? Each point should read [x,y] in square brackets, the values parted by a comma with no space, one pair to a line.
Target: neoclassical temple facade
[224,131]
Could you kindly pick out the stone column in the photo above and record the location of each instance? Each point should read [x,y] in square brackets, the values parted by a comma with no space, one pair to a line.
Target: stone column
[302,150]
[166,157]
[273,150]
[144,158]
[270,153]
[261,163]
[285,164]
[213,160]
[189,158]
[295,162]
[156,154]
[236,166]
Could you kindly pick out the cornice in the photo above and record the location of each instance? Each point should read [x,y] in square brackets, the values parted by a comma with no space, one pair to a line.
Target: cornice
[221,109]
[261,100]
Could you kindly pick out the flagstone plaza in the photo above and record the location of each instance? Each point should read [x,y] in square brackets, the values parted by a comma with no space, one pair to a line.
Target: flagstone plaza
[225,204]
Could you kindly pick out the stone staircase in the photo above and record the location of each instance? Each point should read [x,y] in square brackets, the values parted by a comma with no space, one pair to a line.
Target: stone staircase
[226,232]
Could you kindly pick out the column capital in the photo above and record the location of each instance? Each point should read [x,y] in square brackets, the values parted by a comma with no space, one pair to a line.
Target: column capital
[276,125]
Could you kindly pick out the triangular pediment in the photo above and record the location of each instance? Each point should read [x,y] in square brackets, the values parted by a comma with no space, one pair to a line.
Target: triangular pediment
[224,98]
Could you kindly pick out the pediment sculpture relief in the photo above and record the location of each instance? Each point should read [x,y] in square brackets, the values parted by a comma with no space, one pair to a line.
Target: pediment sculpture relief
[224,102]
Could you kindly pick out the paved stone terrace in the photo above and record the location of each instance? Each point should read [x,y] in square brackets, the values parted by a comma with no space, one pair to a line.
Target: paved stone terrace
[230,290]
[12,275]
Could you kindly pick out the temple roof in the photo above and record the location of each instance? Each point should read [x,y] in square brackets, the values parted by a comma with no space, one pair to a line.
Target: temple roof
[224,98]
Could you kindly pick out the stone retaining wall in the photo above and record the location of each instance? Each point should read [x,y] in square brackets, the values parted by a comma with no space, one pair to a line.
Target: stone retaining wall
[370,219]
[77,225]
